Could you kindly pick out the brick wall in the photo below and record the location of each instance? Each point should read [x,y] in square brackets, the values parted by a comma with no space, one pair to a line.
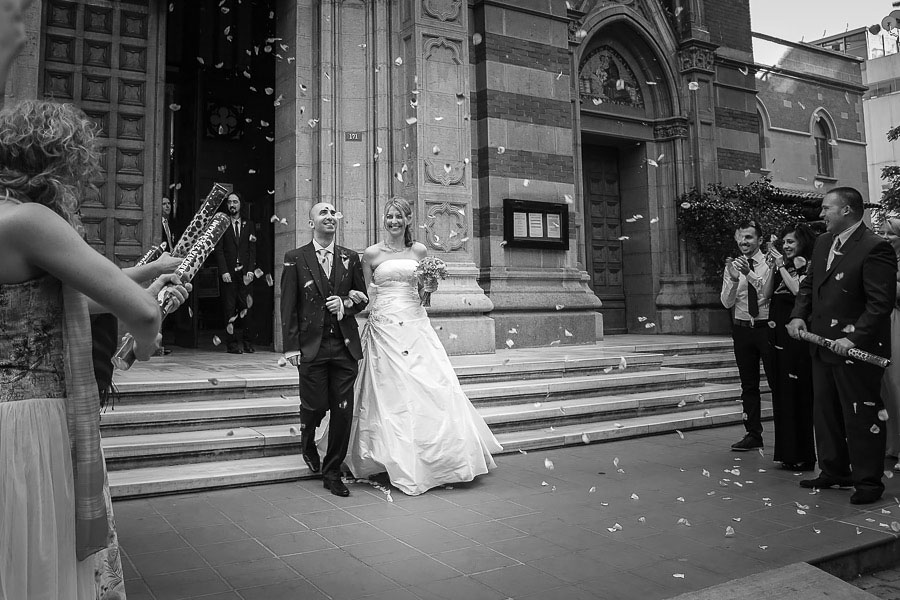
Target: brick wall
[523,53]
[739,120]
[737,160]
[519,107]
[791,102]
[728,22]
[521,164]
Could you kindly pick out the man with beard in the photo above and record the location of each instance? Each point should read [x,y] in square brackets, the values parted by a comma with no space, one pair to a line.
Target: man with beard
[236,258]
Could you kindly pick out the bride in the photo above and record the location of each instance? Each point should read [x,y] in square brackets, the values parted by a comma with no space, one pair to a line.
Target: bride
[412,418]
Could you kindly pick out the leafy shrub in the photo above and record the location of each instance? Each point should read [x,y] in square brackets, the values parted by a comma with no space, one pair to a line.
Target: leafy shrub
[707,220]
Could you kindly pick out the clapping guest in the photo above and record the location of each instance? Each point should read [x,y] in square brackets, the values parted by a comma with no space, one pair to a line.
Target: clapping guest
[890,384]
[791,382]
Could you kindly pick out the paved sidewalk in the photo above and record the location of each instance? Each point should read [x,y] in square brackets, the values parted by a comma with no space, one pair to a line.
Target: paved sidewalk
[653,527]
[883,584]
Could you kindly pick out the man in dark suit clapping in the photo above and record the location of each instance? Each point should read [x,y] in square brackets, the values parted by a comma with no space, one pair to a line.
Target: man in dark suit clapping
[236,258]
[322,289]
[847,295]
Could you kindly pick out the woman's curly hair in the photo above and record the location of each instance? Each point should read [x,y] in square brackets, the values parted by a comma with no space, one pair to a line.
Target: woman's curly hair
[49,155]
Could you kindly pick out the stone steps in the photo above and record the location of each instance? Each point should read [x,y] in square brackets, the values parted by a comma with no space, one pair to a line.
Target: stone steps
[169,479]
[494,369]
[201,424]
[166,417]
[217,443]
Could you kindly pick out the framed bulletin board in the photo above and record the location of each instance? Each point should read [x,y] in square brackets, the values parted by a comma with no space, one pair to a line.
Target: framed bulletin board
[529,224]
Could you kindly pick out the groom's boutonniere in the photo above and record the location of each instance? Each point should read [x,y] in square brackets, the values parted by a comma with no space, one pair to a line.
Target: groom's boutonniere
[346,260]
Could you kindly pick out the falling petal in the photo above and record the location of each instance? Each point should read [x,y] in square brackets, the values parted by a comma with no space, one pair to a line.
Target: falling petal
[510,343]
[585,438]
[213,381]
[281,361]
[216,341]
[693,86]
[680,434]
[411,120]
[635,497]
[875,429]
[526,182]
[548,464]
[501,149]
[567,333]
[476,39]
[594,489]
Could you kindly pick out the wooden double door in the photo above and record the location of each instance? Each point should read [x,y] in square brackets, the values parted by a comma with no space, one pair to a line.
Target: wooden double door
[103,57]
[603,231]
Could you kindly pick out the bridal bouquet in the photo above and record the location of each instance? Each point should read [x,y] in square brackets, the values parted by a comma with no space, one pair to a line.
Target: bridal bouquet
[429,270]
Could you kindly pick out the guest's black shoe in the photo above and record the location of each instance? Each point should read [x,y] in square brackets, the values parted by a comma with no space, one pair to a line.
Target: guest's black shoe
[826,481]
[248,348]
[865,496]
[336,486]
[750,442]
[235,350]
[309,452]
[801,466]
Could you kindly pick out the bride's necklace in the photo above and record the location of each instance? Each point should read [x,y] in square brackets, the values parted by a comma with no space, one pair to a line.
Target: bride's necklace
[390,248]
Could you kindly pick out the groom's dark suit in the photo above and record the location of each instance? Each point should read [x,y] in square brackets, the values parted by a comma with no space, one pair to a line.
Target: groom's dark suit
[329,348]
[853,299]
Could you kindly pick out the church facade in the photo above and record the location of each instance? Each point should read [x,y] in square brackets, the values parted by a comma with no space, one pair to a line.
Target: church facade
[543,143]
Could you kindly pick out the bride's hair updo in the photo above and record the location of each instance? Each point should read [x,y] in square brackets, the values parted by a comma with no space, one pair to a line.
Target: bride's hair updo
[406,210]
[48,155]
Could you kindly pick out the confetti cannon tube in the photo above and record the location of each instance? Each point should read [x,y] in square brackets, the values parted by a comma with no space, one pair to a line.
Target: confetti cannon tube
[209,207]
[855,353]
[206,243]
[152,254]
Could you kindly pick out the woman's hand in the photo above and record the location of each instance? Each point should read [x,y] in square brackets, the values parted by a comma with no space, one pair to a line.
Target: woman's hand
[174,288]
[166,263]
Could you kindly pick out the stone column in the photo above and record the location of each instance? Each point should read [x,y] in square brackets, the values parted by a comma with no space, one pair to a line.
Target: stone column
[295,152]
[432,164]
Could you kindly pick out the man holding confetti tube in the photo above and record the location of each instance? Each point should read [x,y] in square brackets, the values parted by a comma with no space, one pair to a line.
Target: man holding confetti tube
[848,295]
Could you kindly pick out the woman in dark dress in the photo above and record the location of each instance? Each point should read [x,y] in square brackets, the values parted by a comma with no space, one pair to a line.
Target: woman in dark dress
[791,383]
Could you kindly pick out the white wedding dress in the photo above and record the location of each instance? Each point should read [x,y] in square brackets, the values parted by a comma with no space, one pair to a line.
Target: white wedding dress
[411,416]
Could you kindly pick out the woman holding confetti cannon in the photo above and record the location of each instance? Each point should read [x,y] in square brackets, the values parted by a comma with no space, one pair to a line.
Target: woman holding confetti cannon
[57,534]
[412,418]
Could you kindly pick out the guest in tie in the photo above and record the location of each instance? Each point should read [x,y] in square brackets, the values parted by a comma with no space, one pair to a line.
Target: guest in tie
[792,394]
[741,287]
[236,257]
[322,290]
[847,296]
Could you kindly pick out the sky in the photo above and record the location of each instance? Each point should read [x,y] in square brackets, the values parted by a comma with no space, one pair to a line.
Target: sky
[808,20]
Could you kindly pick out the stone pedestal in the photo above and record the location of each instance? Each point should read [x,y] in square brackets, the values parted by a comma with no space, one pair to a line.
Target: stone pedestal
[686,305]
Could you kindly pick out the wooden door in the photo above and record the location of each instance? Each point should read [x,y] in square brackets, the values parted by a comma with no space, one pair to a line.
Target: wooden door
[103,56]
[603,229]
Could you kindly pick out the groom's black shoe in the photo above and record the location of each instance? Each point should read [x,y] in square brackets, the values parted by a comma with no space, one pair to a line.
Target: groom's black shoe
[309,452]
[336,486]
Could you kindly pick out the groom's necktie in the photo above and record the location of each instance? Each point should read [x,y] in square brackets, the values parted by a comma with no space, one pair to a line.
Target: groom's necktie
[325,261]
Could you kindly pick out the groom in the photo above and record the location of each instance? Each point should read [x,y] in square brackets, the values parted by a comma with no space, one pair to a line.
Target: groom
[322,289]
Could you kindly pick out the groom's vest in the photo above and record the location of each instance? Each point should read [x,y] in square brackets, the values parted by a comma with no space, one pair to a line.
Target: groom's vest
[332,324]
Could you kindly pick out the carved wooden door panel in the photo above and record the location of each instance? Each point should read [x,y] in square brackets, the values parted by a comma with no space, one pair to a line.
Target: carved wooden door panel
[603,229]
[102,56]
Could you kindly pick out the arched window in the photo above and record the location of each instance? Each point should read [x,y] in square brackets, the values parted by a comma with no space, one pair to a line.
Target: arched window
[824,162]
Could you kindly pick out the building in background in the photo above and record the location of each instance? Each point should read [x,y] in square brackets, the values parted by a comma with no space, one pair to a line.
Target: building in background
[812,135]
[881,103]
[543,143]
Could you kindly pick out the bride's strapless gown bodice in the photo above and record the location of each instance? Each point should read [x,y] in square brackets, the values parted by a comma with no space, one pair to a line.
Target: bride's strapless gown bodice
[396,291]
[412,418]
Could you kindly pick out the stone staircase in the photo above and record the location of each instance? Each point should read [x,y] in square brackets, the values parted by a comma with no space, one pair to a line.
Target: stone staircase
[179,429]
